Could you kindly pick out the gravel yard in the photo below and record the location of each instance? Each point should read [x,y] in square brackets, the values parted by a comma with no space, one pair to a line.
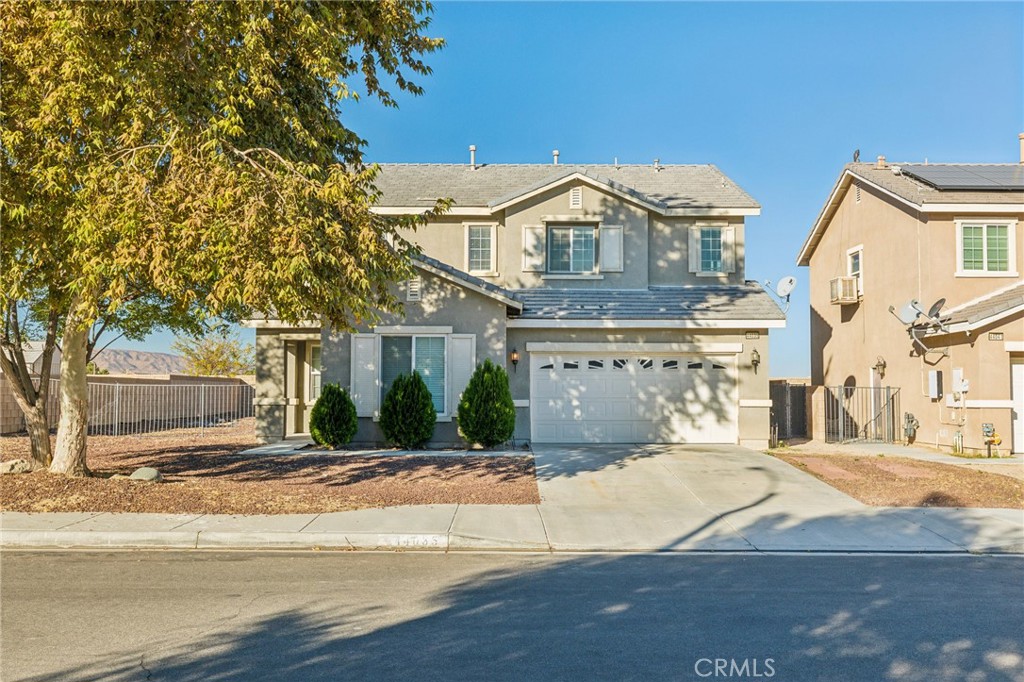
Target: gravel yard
[886,481]
[206,475]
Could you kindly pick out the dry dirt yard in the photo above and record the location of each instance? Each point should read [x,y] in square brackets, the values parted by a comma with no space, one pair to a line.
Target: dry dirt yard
[206,475]
[885,481]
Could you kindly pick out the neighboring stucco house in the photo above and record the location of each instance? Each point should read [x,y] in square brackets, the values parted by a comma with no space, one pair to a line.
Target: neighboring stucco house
[614,295]
[947,236]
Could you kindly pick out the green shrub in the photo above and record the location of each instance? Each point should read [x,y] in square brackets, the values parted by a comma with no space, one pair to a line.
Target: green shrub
[333,419]
[487,414]
[407,416]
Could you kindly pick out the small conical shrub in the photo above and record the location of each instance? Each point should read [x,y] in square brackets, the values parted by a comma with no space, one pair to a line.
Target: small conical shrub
[333,419]
[407,416]
[487,414]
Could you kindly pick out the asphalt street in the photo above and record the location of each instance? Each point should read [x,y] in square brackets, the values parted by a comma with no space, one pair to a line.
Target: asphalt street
[420,616]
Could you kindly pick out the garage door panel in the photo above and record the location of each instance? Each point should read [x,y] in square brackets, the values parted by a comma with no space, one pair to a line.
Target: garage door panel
[635,398]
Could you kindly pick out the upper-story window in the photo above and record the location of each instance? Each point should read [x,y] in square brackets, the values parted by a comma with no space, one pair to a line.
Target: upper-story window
[712,251]
[986,248]
[480,249]
[855,266]
[572,249]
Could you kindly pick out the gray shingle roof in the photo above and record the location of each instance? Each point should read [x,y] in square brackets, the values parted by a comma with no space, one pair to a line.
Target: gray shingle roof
[457,274]
[673,187]
[713,302]
[987,306]
[920,193]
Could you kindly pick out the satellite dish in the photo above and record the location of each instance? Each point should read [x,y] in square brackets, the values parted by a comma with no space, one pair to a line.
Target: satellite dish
[909,312]
[785,286]
[936,308]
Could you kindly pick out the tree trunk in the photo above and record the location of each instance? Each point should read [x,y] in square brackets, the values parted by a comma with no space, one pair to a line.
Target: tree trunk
[31,400]
[38,427]
[74,401]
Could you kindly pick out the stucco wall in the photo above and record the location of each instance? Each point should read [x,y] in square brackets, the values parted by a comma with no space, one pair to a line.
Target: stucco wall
[654,247]
[907,255]
[442,304]
[668,261]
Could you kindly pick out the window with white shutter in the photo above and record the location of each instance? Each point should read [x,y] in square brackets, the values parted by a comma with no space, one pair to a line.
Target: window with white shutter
[462,364]
[534,248]
[610,247]
[364,388]
[712,249]
[729,249]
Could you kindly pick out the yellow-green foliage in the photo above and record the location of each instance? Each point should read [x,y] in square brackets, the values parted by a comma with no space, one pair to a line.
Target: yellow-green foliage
[193,155]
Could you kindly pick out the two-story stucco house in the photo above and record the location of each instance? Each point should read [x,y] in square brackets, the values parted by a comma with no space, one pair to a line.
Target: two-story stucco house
[614,295]
[915,284]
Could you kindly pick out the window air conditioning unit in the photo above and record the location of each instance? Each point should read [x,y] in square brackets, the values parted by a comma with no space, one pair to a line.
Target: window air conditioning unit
[843,290]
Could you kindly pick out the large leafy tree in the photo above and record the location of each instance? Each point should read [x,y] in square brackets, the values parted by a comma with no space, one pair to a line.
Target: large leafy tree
[193,153]
[216,354]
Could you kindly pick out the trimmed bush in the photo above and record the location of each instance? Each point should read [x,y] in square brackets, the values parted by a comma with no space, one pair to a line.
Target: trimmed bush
[333,418]
[407,416]
[487,414]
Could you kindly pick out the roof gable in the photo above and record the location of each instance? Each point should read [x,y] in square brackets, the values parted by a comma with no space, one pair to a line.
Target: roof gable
[909,192]
[622,191]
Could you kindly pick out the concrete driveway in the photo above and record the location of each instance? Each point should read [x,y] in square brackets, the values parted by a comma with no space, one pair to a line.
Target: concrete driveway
[720,497]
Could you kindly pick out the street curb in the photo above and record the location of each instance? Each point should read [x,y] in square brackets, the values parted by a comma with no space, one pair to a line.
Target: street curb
[70,539]
[397,542]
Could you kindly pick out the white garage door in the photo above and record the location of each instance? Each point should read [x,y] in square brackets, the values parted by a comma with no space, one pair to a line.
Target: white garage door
[633,398]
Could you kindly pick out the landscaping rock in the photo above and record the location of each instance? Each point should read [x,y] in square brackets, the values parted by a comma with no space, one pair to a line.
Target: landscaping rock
[15,466]
[146,474]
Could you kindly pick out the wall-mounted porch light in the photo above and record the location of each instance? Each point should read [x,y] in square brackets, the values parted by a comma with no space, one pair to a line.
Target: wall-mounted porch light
[880,367]
[755,359]
[514,358]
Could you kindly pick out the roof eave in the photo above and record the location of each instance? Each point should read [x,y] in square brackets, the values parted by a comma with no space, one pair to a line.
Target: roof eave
[830,207]
[507,300]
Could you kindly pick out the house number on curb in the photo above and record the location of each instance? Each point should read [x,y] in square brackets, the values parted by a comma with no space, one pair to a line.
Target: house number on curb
[415,541]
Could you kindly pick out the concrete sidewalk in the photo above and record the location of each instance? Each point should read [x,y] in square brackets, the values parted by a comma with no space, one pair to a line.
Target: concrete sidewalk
[594,499]
[524,528]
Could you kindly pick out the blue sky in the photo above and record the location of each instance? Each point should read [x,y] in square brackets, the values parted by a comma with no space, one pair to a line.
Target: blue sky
[777,95]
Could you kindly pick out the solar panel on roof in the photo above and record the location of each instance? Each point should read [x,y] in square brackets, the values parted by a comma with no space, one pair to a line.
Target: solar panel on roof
[1001,177]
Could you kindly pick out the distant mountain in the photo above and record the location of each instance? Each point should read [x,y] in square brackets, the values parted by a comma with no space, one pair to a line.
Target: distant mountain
[139,362]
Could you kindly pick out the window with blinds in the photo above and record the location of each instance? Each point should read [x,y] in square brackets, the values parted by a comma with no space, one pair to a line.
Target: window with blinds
[428,360]
[424,354]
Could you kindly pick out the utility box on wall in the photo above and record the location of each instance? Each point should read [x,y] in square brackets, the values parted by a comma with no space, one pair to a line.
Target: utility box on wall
[935,384]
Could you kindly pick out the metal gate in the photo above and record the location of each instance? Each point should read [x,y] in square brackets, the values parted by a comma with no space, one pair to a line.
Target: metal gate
[789,410]
[869,414]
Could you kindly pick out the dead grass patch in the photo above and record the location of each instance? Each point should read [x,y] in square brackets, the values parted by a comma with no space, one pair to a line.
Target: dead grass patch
[206,475]
[905,482]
